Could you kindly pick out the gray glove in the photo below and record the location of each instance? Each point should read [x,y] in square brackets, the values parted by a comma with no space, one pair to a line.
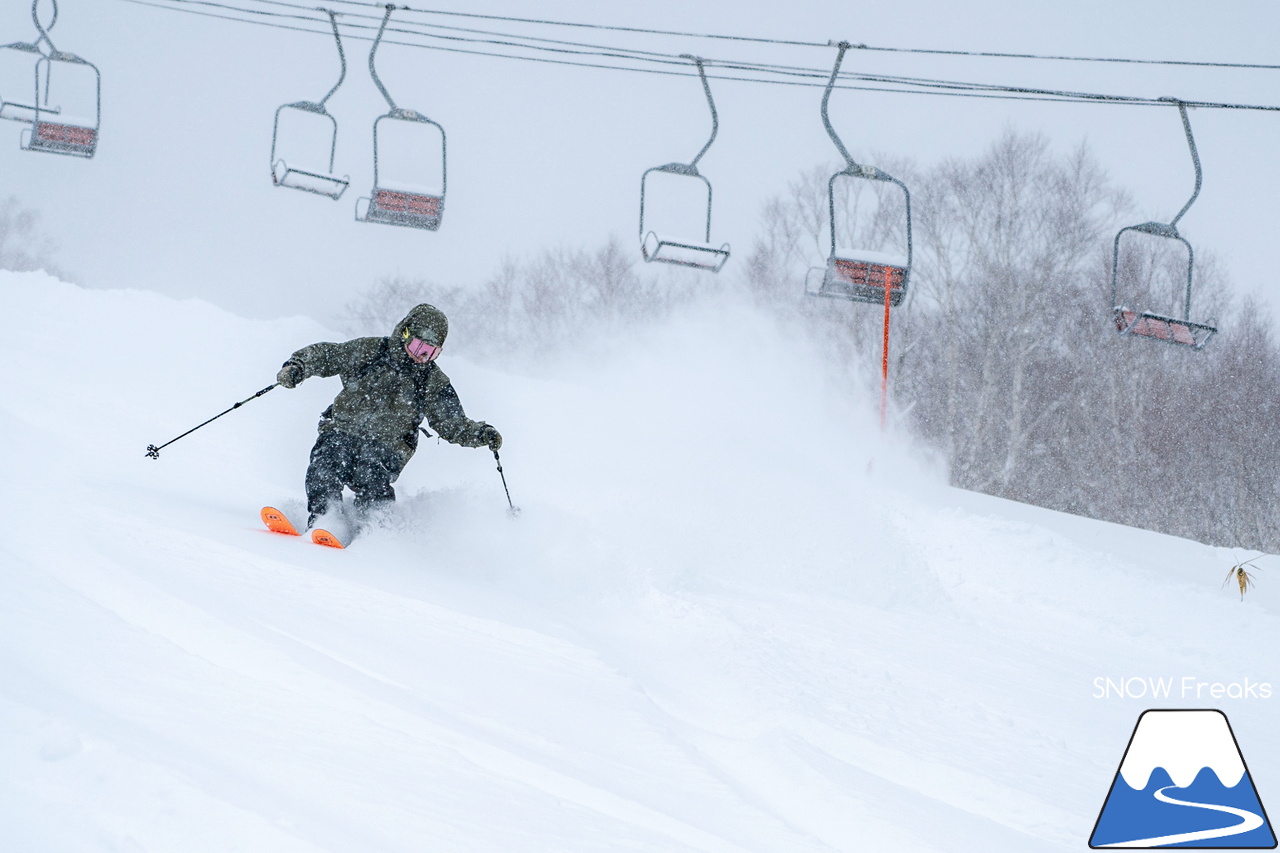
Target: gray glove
[490,436]
[290,375]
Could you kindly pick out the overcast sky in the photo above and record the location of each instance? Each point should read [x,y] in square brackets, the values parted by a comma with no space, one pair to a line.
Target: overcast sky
[179,197]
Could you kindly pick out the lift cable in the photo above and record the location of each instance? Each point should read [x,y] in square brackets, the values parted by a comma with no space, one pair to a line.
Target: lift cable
[780,75]
[796,43]
[820,73]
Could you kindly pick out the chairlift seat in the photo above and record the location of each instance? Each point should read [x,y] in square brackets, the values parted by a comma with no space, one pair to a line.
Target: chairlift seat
[284,175]
[1148,325]
[401,207]
[57,138]
[862,276]
[687,253]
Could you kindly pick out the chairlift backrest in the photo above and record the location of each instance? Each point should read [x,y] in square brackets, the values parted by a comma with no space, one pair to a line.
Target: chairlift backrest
[684,251]
[1145,323]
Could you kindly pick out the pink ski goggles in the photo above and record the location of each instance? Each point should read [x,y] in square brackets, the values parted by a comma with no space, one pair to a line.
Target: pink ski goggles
[422,351]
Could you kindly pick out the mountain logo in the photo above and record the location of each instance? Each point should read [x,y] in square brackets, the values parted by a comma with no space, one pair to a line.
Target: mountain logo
[1183,783]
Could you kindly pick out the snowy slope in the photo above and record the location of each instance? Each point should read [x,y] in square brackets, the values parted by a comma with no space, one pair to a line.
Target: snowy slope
[727,619]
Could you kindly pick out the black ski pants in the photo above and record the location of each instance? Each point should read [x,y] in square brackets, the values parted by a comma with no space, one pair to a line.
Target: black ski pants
[366,466]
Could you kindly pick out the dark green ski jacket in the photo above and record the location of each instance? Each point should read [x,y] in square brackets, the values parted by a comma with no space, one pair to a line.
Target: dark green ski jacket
[385,395]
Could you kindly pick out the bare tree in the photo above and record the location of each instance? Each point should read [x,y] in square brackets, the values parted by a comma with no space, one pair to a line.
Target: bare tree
[22,246]
[1006,359]
[552,302]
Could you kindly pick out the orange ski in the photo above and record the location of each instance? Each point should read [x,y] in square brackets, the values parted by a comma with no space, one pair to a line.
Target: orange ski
[324,537]
[277,522]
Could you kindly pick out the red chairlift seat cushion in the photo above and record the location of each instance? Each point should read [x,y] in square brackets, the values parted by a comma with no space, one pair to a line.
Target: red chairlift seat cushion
[411,203]
[869,274]
[1151,326]
[66,134]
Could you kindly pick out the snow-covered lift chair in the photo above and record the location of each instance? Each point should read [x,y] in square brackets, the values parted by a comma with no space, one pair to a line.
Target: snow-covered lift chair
[683,251]
[858,274]
[65,106]
[1147,324]
[57,127]
[309,113]
[402,197]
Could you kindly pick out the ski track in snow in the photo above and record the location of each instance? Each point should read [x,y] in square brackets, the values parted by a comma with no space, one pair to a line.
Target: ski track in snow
[726,638]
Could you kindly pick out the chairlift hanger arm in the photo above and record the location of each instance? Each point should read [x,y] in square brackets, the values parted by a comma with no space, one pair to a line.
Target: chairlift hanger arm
[44,31]
[342,56]
[1195,159]
[852,167]
[826,98]
[715,118]
[373,72]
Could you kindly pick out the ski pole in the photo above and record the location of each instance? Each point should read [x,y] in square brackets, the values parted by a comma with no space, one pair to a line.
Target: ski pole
[512,510]
[154,452]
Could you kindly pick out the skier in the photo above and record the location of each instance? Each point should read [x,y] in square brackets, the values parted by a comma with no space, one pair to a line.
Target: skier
[370,431]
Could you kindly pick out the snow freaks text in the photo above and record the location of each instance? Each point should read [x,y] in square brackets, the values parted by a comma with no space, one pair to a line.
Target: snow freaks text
[1185,687]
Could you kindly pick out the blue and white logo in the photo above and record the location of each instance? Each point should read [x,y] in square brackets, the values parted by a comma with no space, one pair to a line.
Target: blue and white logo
[1183,783]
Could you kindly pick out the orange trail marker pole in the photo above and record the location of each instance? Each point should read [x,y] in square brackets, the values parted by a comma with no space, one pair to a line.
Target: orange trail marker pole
[884,358]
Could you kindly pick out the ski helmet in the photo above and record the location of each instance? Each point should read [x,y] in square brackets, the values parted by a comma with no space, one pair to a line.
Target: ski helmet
[426,323]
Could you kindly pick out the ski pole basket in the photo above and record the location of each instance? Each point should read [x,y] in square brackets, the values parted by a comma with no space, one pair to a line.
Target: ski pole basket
[685,251]
[402,194]
[64,112]
[859,274]
[1147,324]
[302,114]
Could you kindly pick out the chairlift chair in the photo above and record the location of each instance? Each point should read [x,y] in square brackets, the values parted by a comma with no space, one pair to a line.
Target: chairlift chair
[61,124]
[283,174]
[395,201]
[683,251]
[1147,324]
[858,274]
[58,130]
